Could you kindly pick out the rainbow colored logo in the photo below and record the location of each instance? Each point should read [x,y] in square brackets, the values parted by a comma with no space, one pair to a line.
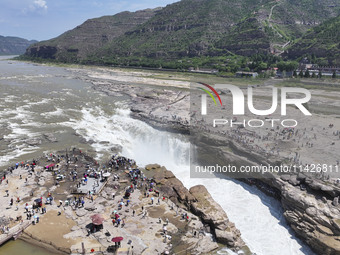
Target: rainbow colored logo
[209,93]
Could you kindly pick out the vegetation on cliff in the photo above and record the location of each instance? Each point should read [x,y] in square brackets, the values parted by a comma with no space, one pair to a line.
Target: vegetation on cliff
[220,34]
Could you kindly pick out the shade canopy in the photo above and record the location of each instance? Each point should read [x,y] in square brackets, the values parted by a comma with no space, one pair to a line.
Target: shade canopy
[97,219]
[117,239]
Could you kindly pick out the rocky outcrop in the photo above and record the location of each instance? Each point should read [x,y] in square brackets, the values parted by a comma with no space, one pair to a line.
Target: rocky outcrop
[170,185]
[315,220]
[43,51]
[313,211]
[198,201]
[212,214]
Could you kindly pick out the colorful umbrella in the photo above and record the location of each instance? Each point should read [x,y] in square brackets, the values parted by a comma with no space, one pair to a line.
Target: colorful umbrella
[117,239]
[97,219]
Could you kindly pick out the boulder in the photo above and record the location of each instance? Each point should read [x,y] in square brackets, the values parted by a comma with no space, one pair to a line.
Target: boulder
[117,148]
[81,212]
[90,207]
[293,180]
[152,166]
[50,137]
[285,177]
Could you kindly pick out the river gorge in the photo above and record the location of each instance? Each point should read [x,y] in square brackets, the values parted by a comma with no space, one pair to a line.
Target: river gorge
[46,108]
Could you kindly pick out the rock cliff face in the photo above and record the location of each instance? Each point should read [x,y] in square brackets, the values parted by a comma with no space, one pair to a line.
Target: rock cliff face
[313,213]
[199,202]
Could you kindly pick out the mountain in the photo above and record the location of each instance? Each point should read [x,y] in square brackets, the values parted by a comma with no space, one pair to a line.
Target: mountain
[76,44]
[188,30]
[322,41]
[13,45]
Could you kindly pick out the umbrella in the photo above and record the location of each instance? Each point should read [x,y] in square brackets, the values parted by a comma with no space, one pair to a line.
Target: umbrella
[38,200]
[97,219]
[117,239]
[106,174]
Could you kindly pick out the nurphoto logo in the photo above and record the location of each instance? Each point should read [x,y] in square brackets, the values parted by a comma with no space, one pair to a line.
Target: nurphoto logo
[238,104]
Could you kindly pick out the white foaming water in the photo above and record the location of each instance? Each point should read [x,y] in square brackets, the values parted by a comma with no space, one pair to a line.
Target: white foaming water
[19,122]
[258,217]
[57,112]
[16,151]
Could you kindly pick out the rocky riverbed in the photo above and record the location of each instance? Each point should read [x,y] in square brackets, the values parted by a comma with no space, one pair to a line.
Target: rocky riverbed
[160,215]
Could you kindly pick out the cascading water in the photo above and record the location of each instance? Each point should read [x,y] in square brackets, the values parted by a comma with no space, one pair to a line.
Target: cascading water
[258,217]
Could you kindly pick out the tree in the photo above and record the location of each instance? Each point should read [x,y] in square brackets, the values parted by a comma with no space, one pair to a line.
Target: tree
[262,66]
[313,75]
[320,74]
[281,66]
[301,74]
[291,65]
[295,74]
[307,75]
[334,75]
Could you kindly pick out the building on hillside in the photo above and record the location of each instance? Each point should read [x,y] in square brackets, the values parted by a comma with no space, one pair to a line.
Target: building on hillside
[305,64]
[203,70]
[284,74]
[247,74]
[329,69]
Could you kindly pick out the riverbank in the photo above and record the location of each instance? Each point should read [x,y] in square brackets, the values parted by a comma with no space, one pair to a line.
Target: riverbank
[150,209]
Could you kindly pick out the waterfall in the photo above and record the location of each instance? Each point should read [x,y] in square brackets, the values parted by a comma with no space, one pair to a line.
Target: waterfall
[258,216]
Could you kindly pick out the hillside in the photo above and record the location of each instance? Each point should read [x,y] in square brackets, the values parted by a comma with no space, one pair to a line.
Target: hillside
[83,40]
[188,30]
[323,42]
[13,45]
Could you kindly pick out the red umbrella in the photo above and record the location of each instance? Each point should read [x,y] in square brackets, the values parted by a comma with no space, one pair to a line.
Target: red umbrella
[97,219]
[117,239]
